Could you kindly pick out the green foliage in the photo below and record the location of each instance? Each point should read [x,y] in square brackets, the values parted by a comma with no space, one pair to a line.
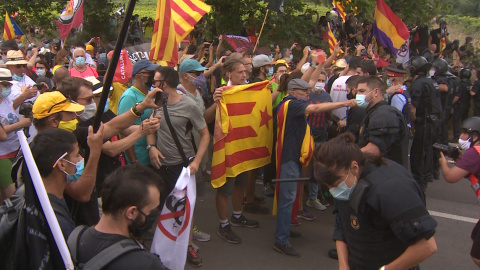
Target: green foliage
[465,7]
[97,17]
[469,25]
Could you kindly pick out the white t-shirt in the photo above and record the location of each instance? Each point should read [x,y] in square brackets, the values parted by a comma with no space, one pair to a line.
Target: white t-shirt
[7,117]
[16,91]
[339,93]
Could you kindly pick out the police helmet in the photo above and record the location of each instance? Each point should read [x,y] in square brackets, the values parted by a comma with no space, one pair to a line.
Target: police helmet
[465,73]
[440,66]
[472,124]
[417,64]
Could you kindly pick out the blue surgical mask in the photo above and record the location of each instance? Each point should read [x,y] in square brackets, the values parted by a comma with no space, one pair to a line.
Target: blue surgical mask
[342,191]
[79,166]
[5,92]
[41,72]
[20,45]
[361,102]
[47,45]
[103,55]
[17,78]
[291,57]
[270,72]
[107,105]
[80,60]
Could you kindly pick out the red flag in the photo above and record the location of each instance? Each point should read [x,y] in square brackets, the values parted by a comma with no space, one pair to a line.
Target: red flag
[124,68]
[71,16]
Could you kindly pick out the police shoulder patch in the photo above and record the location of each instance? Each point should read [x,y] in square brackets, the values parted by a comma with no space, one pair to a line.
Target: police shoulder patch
[354,222]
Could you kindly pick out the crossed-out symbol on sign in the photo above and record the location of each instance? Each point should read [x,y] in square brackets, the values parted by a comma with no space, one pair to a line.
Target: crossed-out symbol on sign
[174,221]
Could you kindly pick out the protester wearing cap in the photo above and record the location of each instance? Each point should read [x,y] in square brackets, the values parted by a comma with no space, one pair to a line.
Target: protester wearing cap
[10,122]
[142,73]
[192,80]
[262,68]
[80,68]
[294,131]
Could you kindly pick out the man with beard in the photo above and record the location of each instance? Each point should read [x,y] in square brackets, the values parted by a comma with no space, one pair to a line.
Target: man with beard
[131,200]
[142,72]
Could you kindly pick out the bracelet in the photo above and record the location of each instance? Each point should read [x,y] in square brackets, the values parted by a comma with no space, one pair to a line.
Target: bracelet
[133,112]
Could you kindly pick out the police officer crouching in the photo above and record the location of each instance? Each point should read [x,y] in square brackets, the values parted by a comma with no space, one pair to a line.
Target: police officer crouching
[468,166]
[428,119]
[382,222]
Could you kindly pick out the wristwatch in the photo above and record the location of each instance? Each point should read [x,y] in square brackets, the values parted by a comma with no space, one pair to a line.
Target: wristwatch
[150,146]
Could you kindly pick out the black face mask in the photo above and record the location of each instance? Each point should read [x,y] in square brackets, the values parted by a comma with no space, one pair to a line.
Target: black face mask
[138,230]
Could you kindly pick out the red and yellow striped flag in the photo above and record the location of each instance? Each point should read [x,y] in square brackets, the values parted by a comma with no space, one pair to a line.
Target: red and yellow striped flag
[243,135]
[186,13]
[340,9]
[332,41]
[10,28]
[163,49]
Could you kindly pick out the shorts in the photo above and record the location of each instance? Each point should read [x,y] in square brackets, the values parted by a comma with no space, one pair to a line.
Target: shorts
[240,180]
[475,251]
[5,173]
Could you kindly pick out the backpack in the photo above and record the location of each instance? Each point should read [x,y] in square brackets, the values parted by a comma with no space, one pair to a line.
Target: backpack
[103,258]
[12,231]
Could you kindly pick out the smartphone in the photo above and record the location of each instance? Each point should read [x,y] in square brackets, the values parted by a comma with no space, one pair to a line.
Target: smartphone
[39,86]
[207,45]
[161,98]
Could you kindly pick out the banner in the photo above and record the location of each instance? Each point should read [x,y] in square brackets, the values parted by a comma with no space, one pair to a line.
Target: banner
[71,16]
[124,68]
[243,135]
[239,43]
[388,28]
[138,52]
[404,53]
[10,28]
[170,240]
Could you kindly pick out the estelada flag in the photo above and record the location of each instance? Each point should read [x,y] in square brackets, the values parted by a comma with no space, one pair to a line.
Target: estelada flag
[340,9]
[11,29]
[163,49]
[71,16]
[243,134]
[332,41]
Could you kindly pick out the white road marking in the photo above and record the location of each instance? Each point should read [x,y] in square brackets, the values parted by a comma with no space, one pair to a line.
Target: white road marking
[454,217]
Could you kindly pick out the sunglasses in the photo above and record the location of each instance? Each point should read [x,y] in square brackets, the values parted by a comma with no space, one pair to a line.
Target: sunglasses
[21,66]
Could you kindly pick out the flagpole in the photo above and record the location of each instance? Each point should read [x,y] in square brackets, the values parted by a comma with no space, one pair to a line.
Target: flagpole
[261,30]
[113,64]
[45,202]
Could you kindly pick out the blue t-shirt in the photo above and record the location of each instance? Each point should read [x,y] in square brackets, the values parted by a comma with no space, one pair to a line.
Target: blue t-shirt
[131,96]
[295,127]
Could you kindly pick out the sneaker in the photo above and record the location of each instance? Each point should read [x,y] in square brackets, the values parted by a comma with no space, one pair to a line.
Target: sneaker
[228,235]
[253,208]
[268,190]
[197,249]
[305,215]
[192,258]
[295,224]
[242,221]
[286,249]
[316,204]
[200,236]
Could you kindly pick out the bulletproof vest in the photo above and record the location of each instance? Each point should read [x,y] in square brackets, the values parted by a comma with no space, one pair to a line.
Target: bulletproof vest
[430,102]
[370,239]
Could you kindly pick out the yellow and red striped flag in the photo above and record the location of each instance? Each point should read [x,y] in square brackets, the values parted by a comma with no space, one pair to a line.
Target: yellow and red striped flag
[186,13]
[163,49]
[10,28]
[332,41]
[243,134]
[443,37]
[340,9]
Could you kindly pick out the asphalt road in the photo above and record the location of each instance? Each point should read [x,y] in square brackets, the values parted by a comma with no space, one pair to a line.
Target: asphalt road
[455,201]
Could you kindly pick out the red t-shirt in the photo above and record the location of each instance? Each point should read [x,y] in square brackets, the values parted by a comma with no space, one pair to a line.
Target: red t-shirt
[89,72]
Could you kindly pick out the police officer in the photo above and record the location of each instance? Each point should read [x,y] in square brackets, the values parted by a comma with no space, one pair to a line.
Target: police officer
[398,94]
[428,109]
[383,131]
[461,101]
[468,166]
[447,83]
[382,222]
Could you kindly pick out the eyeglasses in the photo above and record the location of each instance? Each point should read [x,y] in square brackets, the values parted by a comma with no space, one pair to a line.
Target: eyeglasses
[61,102]
[87,99]
[21,66]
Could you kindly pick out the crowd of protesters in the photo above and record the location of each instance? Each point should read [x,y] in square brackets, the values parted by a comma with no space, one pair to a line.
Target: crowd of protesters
[358,105]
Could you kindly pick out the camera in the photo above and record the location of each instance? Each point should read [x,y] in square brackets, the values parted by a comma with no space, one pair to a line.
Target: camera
[25,109]
[447,150]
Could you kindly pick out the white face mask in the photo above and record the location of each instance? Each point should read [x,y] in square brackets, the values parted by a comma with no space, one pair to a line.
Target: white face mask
[319,86]
[431,73]
[464,144]
[88,112]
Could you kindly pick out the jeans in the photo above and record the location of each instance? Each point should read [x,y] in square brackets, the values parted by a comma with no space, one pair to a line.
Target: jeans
[286,198]
[312,190]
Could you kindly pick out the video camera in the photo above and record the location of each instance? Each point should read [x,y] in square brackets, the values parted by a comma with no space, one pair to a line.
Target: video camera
[447,150]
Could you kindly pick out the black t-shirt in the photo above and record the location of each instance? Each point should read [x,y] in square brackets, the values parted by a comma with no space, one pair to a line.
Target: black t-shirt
[463,92]
[476,90]
[61,212]
[355,116]
[436,35]
[93,242]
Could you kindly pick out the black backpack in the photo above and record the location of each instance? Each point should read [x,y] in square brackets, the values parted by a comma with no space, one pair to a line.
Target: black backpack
[12,231]
[103,258]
